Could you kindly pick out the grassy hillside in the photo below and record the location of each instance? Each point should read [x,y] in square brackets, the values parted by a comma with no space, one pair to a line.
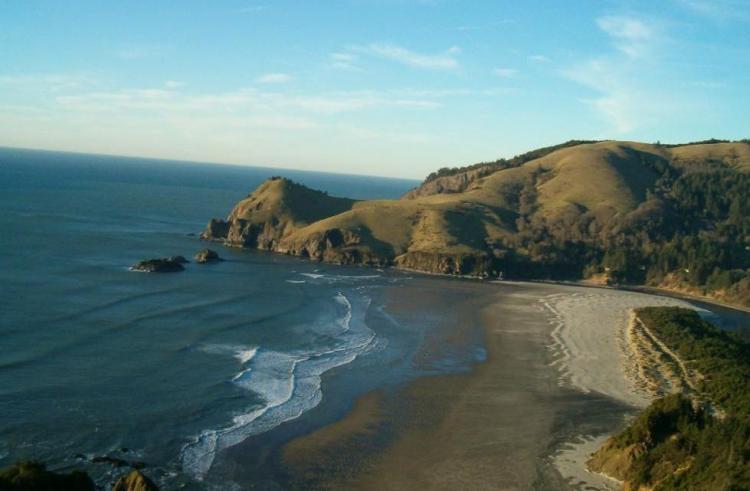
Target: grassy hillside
[680,442]
[671,216]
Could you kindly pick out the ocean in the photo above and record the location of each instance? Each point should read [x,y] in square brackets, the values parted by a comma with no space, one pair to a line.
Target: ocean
[234,375]
[173,369]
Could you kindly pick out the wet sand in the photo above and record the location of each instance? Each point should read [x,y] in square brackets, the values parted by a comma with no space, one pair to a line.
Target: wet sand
[492,428]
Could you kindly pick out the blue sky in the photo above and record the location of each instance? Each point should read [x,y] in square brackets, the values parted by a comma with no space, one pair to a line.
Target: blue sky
[381,87]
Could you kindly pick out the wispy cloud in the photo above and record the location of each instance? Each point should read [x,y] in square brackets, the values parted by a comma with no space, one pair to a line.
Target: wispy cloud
[274,78]
[343,61]
[242,101]
[53,82]
[719,10]
[505,72]
[632,36]
[173,84]
[446,60]
[539,59]
[252,9]
[626,98]
[619,102]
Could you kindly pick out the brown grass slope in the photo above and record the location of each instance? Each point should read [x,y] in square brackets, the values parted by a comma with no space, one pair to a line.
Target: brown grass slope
[467,232]
[274,210]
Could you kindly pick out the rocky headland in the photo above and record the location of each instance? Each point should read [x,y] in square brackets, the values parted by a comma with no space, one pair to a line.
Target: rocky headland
[623,212]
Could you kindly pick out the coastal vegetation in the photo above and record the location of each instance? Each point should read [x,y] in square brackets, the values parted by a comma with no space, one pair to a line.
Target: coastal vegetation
[699,440]
[668,216]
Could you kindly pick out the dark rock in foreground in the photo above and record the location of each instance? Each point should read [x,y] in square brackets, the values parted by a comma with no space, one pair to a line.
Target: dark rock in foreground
[206,256]
[134,481]
[33,476]
[178,259]
[162,265]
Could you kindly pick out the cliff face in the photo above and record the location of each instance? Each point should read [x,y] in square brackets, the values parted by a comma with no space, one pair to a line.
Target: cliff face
[457,183]
[547,217]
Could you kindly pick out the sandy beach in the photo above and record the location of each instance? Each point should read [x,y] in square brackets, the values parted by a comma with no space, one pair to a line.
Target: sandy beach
[556,381]
[594,351]
[589,339]
[552,387]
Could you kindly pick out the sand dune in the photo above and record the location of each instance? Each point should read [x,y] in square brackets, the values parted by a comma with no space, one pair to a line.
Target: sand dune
[596,350]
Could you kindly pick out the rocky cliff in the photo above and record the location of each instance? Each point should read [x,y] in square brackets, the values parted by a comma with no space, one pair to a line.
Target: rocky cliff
[456,183]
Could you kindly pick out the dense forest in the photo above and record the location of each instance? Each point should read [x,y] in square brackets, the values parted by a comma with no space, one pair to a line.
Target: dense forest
[691,232]
[701,442]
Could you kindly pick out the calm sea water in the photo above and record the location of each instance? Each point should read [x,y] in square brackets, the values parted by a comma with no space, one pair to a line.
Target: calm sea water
[169,369]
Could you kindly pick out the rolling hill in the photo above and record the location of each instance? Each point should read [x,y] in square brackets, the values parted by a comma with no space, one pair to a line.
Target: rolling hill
[667,215]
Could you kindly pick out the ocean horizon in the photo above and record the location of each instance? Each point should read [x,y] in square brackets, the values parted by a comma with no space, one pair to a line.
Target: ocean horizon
[101,361]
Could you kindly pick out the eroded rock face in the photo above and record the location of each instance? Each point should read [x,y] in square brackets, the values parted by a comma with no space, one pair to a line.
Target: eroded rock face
[160,265]
[134,481]
[216,229]
[457,183]
[452,264]
[336,246]
[206,256]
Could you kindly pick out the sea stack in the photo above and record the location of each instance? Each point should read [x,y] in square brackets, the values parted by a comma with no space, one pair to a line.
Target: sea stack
[160,265]
[206,256]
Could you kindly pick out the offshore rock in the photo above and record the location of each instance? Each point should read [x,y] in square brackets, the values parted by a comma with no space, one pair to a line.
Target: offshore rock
[161,265]
[206,256]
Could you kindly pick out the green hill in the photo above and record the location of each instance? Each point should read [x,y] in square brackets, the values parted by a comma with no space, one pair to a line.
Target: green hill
[674,216]
[696,441]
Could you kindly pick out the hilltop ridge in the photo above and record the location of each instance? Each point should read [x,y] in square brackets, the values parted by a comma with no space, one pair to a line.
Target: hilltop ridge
[618,211]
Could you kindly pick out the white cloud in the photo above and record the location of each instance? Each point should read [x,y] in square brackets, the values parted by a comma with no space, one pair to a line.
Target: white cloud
[173,84]
[539,59]
[626,97]
[243,101]
[440,61]
[505,72]
[632,36]
[252,9]
[274,78]
[618,103]
[343,61]
[53,82]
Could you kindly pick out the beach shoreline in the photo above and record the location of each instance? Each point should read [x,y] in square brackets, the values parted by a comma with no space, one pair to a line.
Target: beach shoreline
[554,384]
[496,426]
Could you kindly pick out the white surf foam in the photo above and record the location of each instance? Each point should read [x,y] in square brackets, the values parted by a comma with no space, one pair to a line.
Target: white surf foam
[288,383]
[331,278]
[242,353]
